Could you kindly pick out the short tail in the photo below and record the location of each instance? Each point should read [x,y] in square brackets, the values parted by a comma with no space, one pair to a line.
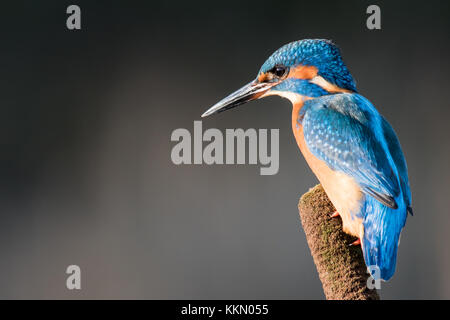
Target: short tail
[382,227]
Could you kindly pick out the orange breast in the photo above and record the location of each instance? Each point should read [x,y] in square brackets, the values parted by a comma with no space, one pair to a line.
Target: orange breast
[342,190]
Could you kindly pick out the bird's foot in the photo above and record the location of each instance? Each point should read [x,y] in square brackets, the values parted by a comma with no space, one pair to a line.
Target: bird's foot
[335,214]
[355,243]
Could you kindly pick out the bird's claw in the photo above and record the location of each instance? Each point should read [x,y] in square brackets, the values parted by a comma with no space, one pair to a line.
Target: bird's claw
[335,214]
[357,242]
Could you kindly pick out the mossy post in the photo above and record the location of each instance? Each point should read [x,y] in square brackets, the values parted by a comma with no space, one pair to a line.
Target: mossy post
[341,267]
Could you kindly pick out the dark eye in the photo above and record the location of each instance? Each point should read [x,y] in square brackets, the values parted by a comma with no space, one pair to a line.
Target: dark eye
[279,71]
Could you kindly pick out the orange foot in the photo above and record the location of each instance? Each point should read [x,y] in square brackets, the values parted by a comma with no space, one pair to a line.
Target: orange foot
[355,243]
[335,214]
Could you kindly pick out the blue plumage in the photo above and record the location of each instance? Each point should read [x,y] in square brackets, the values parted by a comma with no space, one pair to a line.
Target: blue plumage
[382,227]
[300,85]
[347,132]
[319,53]
[350,147]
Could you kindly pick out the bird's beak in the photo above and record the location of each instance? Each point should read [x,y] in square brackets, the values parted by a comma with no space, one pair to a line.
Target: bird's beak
[249,92]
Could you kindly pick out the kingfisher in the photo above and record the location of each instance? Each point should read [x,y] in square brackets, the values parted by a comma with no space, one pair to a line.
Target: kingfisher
[352,149]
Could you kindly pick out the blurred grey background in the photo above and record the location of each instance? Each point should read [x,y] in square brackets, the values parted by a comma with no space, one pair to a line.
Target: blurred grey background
[86,119]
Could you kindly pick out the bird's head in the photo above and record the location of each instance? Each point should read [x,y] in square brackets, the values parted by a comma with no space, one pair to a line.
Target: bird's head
[299,70]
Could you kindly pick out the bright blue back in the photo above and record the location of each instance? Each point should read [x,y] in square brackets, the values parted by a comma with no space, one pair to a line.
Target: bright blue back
[348,133]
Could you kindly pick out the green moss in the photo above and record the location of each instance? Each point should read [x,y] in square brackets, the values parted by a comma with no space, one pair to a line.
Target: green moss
[341,268]
[330,254]
[315,191]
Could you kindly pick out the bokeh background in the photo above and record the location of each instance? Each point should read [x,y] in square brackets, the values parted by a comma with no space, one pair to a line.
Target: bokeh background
[86,119]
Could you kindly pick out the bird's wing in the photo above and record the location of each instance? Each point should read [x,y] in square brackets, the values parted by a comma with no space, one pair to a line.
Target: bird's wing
[399,160]
[345,131]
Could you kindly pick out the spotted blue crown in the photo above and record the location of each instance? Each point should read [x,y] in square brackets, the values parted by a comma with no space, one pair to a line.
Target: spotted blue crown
[319,53]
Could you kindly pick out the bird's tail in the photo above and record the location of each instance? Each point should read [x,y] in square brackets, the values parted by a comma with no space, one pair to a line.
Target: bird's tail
[382,227]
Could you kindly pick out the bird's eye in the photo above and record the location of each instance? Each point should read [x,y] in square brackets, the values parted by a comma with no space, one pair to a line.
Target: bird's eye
[279,71]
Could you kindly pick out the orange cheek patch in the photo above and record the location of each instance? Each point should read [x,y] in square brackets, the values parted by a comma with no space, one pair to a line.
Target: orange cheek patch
[262,77]
[303,72]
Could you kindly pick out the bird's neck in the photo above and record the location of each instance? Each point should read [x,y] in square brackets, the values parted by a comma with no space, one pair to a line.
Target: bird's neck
[296,107]
[297,100]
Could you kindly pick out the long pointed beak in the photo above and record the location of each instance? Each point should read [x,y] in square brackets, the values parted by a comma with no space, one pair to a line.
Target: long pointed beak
[249,92]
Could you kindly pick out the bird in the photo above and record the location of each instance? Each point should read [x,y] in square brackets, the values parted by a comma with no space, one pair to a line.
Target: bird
[350,147]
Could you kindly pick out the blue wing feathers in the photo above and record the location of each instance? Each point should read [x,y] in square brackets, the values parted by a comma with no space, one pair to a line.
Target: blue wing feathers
[349,135]
[397,156]
[340,132]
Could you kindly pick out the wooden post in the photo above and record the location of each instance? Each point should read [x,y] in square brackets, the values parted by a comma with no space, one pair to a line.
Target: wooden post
[341,267]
